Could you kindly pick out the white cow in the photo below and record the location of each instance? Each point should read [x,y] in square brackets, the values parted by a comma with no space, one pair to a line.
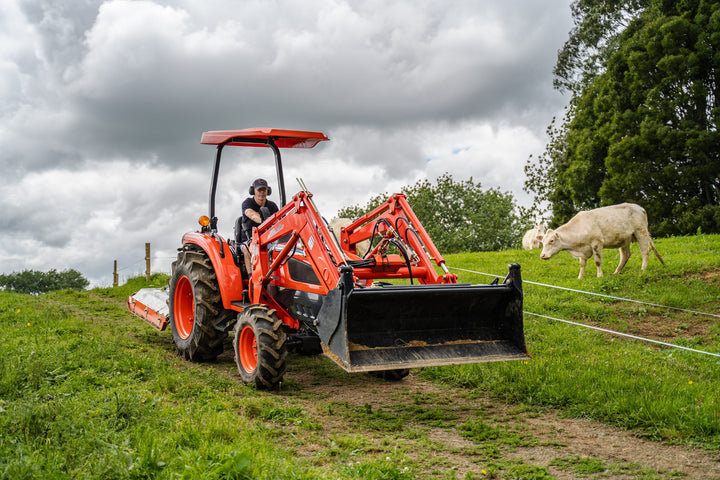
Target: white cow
[533,237]
[338,223]
[587,233]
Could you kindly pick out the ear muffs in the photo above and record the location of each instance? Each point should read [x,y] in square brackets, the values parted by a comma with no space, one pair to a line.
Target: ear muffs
[252,190]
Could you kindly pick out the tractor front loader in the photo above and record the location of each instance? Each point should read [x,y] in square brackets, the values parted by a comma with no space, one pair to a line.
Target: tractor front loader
[309,291]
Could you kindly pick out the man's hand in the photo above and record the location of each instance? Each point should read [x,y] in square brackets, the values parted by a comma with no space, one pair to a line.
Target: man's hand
[253,215]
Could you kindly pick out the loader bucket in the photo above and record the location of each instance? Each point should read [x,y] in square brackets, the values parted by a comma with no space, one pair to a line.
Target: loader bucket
[397,327]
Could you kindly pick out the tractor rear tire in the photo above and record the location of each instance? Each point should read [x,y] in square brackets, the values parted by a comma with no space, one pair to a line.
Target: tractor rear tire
[195,307]
[260,347]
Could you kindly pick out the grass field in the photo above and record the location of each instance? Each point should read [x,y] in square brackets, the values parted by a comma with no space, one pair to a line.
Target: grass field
[88,391]
[665,393]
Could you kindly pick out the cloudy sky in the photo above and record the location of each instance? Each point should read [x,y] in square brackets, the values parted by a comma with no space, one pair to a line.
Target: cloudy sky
[102,105]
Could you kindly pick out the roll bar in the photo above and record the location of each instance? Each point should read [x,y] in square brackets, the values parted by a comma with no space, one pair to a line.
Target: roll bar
[273,138]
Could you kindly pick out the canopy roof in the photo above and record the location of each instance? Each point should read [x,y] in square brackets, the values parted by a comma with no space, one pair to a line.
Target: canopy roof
[258,137]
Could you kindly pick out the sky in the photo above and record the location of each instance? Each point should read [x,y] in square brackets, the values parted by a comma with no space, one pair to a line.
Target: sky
[103,103]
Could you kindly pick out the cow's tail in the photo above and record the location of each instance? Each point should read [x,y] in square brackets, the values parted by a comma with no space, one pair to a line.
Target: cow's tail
[652,245]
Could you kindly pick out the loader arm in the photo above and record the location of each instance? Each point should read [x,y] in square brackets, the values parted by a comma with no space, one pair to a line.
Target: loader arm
[395,218]
[296,225]
[384,327]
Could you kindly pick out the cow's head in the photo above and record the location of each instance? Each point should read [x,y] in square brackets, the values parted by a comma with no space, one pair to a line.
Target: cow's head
[551,244]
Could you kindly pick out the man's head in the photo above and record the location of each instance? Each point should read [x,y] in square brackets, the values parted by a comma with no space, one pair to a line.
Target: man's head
[258,185]
[260,190]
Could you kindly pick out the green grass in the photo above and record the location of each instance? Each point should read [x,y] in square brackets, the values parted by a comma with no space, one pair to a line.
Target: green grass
[84,395]
[662,393]
[88,391]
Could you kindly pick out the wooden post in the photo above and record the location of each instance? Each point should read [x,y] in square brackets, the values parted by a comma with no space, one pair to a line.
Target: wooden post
[147,262]
[115,275]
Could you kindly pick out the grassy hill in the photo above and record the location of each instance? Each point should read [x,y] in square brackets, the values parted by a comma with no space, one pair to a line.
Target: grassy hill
[665,393]
[89,391]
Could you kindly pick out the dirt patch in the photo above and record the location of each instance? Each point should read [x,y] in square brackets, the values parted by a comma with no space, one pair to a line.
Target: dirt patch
[711,276]
[551,441]
[567,448]
[659,327]
[547,440]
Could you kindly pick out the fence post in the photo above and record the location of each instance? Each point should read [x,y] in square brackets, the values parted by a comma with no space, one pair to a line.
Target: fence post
[115,275]
[147,262]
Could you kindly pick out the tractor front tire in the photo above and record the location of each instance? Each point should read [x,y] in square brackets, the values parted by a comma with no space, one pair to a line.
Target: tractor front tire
[195,307]
[260,347]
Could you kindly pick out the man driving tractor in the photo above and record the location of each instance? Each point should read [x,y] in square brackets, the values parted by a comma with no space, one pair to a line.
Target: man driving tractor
[251,216]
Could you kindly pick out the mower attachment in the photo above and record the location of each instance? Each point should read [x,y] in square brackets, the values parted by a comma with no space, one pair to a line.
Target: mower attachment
[397,326]
[150,304]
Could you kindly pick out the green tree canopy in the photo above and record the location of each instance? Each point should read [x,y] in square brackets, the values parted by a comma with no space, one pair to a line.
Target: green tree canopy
[645,128]
[458,216]
[34,282]
[595,36]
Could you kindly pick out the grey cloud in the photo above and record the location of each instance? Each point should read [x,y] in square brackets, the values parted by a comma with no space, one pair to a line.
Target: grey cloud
[62,27]
[134,86]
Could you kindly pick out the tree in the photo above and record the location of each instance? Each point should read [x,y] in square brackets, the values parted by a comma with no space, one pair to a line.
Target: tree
[35,282]
[458,216]
[644,128]
[542,173]
[598,24]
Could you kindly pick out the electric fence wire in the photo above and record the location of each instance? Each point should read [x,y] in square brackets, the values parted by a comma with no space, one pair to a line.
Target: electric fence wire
[635,337]
[142,261]
[131,265]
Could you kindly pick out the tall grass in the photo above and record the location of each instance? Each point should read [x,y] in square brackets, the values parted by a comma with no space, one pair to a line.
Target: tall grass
[660,392]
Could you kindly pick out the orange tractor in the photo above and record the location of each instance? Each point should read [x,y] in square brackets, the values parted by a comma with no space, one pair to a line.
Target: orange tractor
[310,292]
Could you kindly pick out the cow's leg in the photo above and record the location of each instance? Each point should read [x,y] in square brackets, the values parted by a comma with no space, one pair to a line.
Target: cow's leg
[597,251]
[624,256]
[643,239]
[583,262]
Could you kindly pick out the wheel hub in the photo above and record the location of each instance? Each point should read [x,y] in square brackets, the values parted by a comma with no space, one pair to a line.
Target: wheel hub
[247,349]
[184,307]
